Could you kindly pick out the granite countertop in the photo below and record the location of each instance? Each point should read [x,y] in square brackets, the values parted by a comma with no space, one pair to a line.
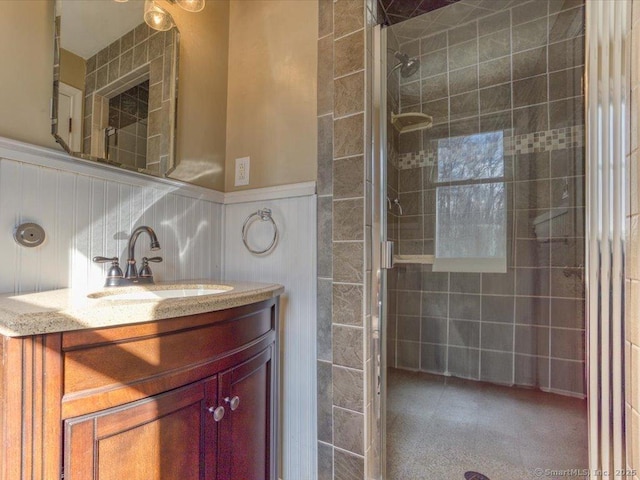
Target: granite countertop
[68,309]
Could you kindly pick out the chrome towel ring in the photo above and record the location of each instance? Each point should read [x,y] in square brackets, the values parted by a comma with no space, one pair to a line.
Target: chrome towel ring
[264,215]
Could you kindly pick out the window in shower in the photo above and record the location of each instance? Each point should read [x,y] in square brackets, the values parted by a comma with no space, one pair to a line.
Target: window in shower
[471,209]
[471,157]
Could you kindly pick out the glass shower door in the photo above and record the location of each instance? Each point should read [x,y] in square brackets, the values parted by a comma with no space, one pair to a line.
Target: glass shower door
[484,200]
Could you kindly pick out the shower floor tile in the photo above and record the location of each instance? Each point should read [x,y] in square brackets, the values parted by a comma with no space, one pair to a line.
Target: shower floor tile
[438,428]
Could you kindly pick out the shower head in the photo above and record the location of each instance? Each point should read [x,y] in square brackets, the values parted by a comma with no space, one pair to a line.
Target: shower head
[408,66]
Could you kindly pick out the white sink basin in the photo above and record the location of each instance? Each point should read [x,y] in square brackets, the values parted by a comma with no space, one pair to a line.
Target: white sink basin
[161,293]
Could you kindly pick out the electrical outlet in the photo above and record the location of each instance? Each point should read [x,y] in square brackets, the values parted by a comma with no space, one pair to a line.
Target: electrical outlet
[242,171]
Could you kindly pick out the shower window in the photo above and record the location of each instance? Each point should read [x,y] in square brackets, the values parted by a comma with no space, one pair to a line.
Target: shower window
[471,157]
[471,208]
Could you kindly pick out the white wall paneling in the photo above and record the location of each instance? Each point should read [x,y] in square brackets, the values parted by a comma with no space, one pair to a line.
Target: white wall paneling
[85,215]
[291,190]
[293,264]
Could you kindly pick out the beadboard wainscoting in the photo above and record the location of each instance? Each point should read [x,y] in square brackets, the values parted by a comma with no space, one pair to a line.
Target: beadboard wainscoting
[291,263]
[89,210]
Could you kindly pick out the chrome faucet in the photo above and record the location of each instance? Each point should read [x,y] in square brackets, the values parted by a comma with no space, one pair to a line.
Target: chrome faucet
[115,278]
[145,273]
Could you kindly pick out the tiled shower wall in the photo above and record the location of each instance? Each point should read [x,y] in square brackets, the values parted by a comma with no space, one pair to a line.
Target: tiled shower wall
[128,113]
[139,55]
[344,367]
[519,71]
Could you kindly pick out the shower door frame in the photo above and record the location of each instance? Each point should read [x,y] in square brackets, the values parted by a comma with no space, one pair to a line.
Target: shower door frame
[378,294]
[607,95]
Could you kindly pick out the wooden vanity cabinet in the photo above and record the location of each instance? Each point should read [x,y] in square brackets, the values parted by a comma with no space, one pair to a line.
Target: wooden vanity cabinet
[178,399]
[245,438]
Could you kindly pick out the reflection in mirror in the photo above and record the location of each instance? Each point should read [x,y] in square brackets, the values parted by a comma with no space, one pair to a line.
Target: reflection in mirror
[115,85]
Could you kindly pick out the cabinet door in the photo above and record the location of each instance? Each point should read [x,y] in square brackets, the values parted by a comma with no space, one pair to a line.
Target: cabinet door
[246,433]
[159,438]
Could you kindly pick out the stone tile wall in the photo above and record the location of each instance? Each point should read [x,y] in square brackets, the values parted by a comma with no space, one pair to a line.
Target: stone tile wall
[344,239]
[128,113]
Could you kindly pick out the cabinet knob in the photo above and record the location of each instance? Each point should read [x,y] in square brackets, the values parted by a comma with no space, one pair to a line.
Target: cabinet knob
[234,402]
[218,412]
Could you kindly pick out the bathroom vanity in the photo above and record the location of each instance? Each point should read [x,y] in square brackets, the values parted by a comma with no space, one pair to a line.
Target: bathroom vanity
[179,388]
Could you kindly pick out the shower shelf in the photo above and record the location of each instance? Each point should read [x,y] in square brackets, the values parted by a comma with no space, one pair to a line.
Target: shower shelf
[411,122]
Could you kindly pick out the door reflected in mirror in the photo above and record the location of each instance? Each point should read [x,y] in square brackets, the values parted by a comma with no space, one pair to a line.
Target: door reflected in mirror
[115,85]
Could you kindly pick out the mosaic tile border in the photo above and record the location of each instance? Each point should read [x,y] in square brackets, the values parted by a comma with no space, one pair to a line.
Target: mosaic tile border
[545,141]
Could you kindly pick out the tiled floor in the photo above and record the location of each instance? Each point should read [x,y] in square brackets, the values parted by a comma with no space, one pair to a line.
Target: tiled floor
[438,428]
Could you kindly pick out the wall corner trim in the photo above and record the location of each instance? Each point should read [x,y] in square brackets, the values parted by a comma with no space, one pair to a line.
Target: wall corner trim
[49,158]
[291,190]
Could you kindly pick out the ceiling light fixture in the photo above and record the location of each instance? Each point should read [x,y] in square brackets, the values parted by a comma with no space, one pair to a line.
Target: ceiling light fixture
[191,5]
[157,17]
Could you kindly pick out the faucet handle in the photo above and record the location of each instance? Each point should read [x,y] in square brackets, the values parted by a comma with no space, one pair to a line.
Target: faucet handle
[105,259]
[114,275]
[145,270]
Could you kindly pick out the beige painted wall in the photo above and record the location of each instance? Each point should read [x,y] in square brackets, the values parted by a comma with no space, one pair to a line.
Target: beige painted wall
[26,76]
[202,93]
[271,114]
[268,112]
[73,69]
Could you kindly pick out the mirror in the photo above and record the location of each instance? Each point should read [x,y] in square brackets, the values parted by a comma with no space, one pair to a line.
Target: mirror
[115,85]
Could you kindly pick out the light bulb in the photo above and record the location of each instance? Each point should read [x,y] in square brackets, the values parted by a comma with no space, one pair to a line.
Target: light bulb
[191,5]
[157,17]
